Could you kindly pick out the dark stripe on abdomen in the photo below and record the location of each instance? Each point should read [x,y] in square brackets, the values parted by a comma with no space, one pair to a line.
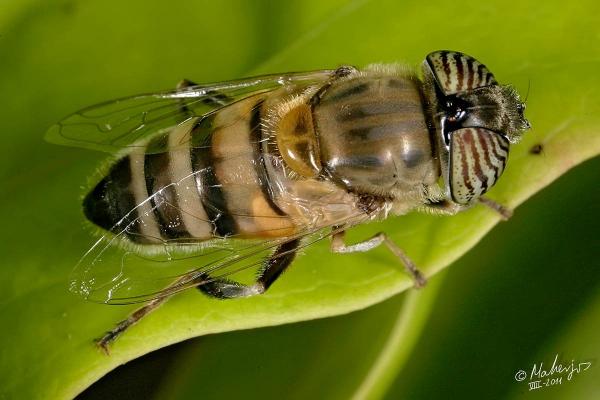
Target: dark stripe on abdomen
[164,204]
[256,135]
[209,187]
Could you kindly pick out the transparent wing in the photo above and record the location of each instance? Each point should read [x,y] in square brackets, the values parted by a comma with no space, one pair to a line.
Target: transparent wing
[115,274]
[142,278]
[116,271]
[130,122]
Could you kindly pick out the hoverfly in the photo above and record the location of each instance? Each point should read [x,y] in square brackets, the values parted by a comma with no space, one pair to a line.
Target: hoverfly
[213,179]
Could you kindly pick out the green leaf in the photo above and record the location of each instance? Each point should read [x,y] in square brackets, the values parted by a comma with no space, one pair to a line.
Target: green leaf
[498,305]
[59,56]
[519,297]
[335,358]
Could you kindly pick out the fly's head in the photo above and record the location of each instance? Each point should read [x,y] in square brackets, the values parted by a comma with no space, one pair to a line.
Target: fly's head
[496,108]
[475,119]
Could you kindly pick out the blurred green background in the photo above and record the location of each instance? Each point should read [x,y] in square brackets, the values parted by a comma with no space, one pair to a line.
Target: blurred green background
[528,291]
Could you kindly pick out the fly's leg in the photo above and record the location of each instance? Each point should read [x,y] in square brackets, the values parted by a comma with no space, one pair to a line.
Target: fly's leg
[445,207]
[140,313]
[220,288]
[340,72]
[338,246]
[272,269]
[213,97]
[504,212]
[184,84]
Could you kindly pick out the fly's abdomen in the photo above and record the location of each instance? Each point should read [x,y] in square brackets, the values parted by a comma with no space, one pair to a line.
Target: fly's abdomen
[151,197]
[204,179]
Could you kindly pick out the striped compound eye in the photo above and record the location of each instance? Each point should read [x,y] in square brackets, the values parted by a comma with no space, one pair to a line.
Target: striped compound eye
[477,159]
[456,72]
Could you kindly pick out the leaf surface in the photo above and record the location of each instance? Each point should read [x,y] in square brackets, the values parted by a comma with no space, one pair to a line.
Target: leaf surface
[61,56]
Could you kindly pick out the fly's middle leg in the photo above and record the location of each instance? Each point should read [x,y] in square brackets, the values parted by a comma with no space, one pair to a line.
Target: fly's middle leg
[272,269]
[338,246]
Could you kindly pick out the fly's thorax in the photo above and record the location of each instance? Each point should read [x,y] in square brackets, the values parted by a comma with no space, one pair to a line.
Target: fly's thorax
[373,135]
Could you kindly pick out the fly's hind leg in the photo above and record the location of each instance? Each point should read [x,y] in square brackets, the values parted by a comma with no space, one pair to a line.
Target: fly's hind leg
[220,288]
[338,246]
[110,336]
[272,269]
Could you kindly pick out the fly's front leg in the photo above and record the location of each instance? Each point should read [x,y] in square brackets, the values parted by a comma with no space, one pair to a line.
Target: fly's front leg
[445,207]
[504,212]
[338,246]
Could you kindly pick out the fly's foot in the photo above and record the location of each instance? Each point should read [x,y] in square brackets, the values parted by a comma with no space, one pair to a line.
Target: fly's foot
[504,212]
